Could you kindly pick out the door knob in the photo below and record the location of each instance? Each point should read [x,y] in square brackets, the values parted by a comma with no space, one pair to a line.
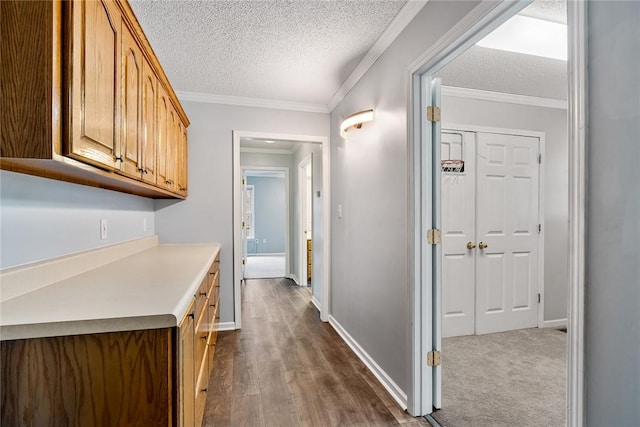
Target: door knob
[483,245]
[471,245]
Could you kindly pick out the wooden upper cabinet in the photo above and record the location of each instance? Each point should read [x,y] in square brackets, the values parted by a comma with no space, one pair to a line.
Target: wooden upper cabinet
[85,100]
[182,160]
[149,124]
[164,131]
[129,154]
[95,85]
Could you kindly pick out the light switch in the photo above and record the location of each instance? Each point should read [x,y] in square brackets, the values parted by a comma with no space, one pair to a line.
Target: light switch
[339,211]
[103,229]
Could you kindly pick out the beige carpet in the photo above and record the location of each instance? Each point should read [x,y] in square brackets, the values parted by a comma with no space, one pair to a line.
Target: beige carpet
[514,378]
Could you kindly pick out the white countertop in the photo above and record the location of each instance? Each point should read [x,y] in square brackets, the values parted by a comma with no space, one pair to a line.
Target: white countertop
[150,289]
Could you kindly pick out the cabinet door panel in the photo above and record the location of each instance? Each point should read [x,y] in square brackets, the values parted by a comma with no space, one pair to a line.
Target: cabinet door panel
[187,371]
[131,117]
[149,123]
[95,87]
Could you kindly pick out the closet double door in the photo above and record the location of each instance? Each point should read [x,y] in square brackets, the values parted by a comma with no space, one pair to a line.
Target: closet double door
[490,232]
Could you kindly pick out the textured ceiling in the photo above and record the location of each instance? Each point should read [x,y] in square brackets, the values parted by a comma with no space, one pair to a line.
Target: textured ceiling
[298,51]
[499,71]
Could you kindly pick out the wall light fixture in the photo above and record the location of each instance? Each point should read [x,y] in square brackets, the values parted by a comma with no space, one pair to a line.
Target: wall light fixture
[355,121]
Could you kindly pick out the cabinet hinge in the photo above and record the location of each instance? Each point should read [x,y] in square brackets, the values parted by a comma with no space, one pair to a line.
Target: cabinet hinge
[433,358]
[433,236]
[539,298]
[433,114]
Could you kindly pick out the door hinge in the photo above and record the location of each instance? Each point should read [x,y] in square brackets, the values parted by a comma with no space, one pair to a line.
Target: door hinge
[433,236]
[433,358]
[539,159]
[242,224]
[539,228]
[243,182]
[433,114]
[539,298]
[243,260]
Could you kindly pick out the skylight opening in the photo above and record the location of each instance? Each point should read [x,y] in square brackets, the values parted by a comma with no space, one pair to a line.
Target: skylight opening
[530,36]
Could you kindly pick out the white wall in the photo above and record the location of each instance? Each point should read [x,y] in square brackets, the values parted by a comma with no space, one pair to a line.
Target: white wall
[613,215]
[273,160]
[369,278]
[42,218]
[207,214]
[318,232]
[554,123]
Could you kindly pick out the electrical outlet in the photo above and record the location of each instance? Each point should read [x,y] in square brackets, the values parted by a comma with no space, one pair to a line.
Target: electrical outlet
[103,229]
[339,211]
[144,224]
[264,241]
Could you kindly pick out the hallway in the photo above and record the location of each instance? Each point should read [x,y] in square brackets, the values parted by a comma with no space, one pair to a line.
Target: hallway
[287,368]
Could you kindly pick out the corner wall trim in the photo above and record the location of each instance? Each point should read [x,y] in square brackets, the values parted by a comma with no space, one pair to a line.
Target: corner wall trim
[509,98]
[210,98]
[396,392]
[226,326]
[557,323]
[315,302]
[294,278]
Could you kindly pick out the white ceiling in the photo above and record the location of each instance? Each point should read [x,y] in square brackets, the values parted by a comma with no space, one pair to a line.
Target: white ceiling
[507,72]
[297,51]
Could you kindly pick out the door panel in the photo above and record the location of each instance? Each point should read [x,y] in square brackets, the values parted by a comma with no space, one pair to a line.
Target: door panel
[507,220]
[149,144]
[458,228]
[131,80]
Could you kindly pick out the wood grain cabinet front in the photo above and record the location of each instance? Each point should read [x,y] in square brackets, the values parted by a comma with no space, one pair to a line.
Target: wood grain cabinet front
[96,84]
[152,377]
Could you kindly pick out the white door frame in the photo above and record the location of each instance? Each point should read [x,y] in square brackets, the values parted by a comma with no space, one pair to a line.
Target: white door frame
[302,194]
[541,192]
[481,21]
[285,170]
[237,216]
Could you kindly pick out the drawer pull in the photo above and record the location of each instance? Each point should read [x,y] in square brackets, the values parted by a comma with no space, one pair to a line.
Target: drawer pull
[203,294]
[204,337]
[192,315]
[204,390]
[119,159]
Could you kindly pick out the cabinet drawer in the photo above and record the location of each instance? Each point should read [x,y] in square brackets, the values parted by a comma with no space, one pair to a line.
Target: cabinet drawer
[201,338]
[201,391]
[202,294]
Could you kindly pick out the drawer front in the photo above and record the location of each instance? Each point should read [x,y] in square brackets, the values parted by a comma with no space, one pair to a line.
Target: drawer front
[202,337]
[202,294]
[201,391]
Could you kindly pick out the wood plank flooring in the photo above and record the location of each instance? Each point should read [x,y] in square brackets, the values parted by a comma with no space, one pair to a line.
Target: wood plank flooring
[287,368]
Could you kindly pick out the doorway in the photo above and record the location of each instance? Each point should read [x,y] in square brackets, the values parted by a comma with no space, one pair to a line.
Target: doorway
[273,150]
[265,222]
[427,221]
[305,198]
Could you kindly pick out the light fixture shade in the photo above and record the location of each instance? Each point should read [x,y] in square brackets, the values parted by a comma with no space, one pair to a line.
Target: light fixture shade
[355,120]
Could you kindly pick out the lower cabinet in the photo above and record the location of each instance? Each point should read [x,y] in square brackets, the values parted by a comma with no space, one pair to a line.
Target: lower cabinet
[151,377]
[197,347]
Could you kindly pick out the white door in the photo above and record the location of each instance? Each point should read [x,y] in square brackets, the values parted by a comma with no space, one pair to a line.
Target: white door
[246,221]
[507,232]
[458,234]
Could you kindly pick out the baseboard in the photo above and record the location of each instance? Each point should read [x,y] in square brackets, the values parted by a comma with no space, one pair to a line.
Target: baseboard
[396,392]
[558,323]
[315,302]
[294,278]
[226,326]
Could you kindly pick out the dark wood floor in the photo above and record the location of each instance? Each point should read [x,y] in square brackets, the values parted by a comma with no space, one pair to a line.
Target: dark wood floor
[287,368]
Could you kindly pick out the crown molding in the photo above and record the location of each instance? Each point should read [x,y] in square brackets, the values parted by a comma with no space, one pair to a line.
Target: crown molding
[274,104]
[397,25]
[509,98]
